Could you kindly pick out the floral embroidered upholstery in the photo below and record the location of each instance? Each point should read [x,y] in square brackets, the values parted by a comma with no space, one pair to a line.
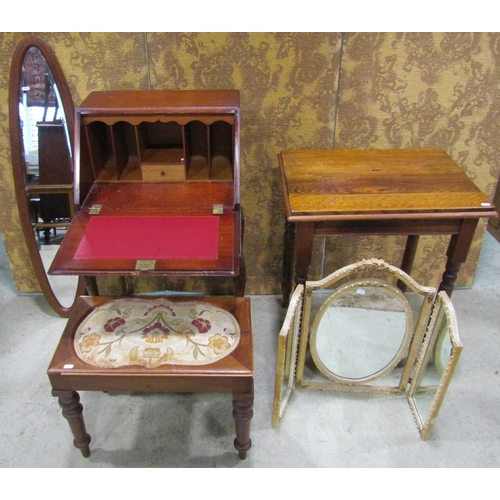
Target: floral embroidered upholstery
[151,333]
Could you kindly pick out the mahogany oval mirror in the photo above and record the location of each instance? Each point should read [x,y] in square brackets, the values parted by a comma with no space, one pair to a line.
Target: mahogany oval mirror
[41,132]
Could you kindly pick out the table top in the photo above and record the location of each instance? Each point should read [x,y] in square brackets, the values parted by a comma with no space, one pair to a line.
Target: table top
[378,183]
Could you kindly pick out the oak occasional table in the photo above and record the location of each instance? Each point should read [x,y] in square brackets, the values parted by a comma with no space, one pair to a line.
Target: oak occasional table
[408,192]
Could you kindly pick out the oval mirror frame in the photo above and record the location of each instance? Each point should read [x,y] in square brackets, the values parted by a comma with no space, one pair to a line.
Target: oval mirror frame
[395,357]
[18,162]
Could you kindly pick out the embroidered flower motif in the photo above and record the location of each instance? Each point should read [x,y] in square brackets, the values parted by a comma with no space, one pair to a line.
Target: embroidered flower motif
[168,356]
[203,325]
[112,324]
[133,354]
[88,342]
[169,310]
[151,352]
[218,343]
[155,333]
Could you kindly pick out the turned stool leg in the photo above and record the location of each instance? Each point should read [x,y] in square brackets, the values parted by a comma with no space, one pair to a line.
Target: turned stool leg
[242,413]
[72,410]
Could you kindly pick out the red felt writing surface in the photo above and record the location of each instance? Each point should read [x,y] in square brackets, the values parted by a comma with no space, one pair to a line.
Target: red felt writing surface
[150,238]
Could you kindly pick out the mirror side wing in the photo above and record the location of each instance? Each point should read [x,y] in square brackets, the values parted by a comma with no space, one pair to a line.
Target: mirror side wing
[288,341]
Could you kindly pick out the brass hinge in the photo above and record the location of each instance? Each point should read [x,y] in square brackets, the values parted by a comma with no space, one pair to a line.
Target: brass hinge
[218,209]
[95,209]
[145,265]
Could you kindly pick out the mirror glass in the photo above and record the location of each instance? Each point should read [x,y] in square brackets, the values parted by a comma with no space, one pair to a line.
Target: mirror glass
[41,131]
[435,366]
[360,332]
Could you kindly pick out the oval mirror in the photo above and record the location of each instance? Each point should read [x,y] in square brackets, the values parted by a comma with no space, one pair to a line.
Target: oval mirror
[361,331]
[41,131]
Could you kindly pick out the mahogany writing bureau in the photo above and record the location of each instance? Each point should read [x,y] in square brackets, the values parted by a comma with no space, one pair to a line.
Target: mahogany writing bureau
[157,183]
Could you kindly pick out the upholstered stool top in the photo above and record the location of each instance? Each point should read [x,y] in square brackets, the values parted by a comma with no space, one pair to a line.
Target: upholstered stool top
[150,333]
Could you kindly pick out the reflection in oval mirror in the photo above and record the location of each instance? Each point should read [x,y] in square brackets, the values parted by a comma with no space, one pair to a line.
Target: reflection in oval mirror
[41,125]
[361,331]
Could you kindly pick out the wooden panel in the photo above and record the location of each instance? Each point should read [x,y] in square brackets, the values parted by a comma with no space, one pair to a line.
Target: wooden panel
[355,182]
[162,165]
[160,195]
[226,263]
[128,102]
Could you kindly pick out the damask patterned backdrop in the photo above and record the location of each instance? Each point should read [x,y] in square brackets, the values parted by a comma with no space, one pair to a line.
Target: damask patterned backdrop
[298,91]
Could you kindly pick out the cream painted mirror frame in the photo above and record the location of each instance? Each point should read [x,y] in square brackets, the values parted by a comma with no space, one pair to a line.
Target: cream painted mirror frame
[412,358]
[18,162]
[359,288]
[287,349]
[437,339]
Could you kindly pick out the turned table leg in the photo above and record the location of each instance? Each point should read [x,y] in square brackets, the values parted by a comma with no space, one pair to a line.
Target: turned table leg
[457,254]
[72,410]
[288,252]
[243,413]
[298,241]
[304,233]
[408,258]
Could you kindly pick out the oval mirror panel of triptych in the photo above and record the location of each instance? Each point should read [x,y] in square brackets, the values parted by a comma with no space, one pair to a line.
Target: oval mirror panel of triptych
[361,331]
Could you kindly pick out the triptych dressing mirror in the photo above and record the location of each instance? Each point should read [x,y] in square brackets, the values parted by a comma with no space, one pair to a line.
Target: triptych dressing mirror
[356,331]
[41,133]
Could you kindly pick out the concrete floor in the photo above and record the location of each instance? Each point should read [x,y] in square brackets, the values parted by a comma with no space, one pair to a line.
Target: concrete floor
[319,429]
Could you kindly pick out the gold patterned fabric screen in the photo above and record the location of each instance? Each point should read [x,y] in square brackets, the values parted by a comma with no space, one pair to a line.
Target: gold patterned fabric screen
[410,90]
[298,91]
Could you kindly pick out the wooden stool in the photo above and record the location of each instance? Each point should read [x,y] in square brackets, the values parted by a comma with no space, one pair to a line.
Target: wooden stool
[150,344]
